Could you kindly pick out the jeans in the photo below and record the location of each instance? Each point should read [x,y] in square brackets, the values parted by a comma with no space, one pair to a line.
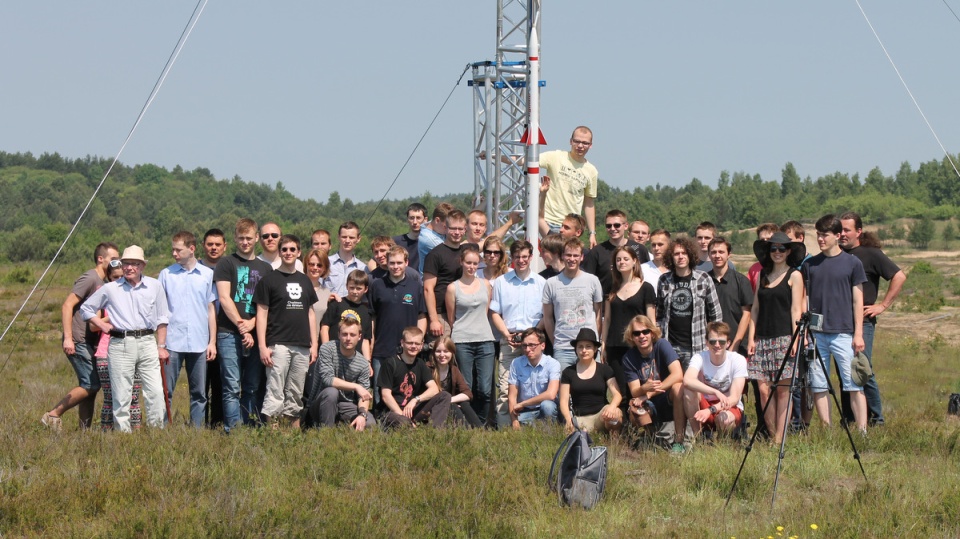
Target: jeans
[376,362]
[841,346]
[84,366]
[508,353]
[127,356]
[328,409]
[241,372]
[546,412]
[477,358]
[196,364]
[566,356]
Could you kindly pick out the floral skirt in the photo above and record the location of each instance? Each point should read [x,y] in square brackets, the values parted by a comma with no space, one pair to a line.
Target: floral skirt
[766,359]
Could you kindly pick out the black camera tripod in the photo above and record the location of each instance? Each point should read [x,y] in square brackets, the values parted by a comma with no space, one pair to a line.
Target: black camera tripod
[797,360]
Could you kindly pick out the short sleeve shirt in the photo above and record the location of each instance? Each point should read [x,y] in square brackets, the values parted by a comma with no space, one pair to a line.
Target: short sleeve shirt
[570,182]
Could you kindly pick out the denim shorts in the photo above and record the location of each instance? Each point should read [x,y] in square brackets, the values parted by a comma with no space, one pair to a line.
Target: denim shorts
[85,367]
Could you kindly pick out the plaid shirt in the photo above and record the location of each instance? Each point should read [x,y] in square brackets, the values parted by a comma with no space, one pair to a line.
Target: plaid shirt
[332,364]
[707,309]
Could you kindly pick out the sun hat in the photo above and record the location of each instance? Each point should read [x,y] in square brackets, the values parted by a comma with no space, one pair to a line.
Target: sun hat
[860,370]
[798,251]
[134,252]
[586,334]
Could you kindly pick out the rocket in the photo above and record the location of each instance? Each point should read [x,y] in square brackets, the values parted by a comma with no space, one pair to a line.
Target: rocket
[533,142]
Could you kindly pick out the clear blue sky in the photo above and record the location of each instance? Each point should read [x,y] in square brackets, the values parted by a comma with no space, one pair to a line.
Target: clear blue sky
[327,96]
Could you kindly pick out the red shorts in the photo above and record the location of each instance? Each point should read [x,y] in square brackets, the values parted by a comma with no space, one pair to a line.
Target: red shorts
[737,412]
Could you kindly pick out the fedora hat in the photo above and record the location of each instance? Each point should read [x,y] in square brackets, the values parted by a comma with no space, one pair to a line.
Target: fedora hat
[134,252]
[586,334]
[798,251]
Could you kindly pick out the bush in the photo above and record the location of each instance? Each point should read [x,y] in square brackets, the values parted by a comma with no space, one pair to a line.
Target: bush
[19,275]
[923,291]
[921,233]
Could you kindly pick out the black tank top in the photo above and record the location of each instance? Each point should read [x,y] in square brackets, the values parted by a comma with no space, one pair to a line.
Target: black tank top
[774,315]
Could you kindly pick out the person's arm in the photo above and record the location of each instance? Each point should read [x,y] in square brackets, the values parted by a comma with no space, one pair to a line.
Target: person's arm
[565,407]
[675,376]
[896,284]
[590,214]
[266,355]
[422,322]
[431,391]
[514,218]
[499,324]
[229,309]
[752,325]
[365,348]
[512,406]
[371,265]
[548,394]
[858,344]
[66,319]
[162,351]
[312,316]
[460,387]
[603,333]
[714,314]
[386,397]
[450,298]
[212,329]
[736,392]
[548,322]
[597,317]
[741,328]
[430,298]
[611,412]
[691,382]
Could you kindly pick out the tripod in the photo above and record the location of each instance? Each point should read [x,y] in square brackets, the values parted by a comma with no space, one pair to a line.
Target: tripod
[797,343]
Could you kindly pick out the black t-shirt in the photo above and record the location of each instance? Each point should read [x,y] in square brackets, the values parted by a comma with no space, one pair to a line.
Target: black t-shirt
[243,276]
[443,262]
[339,310]
[734,293]
[395,306]
[288,297]
[599,262]
[404,381]
[549,272]
[875,265]
[622,311]
[590,395]
[655,367]
[681,312]
[412,247]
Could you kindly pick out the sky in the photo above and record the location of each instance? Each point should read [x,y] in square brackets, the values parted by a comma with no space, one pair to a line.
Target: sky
[325,96]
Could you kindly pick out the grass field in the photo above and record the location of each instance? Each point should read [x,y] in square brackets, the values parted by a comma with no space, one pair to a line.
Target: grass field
[180,482]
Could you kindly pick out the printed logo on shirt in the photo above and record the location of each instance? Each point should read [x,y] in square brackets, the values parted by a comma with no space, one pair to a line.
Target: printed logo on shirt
[294,290]
[408,299]
[682,301]
[350,313]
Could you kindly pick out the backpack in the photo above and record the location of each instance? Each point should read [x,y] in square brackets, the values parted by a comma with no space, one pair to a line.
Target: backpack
[953,405]
[582,472]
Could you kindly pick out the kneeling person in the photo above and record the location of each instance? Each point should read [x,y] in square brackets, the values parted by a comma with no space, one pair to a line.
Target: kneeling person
[586,383]
[340,384]
[286,332]
[713,384]
[534,381]
[408,391]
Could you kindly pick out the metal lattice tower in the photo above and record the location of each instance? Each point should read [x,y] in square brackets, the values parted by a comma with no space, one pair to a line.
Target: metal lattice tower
[501,114]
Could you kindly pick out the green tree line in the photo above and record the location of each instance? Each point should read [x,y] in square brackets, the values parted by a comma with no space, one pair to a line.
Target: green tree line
[145,204]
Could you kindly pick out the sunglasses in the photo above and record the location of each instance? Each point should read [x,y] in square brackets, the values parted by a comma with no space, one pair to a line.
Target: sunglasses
[271,235]
[614,225]
[491,253]
[639,332]
[721,342]
[115,263]
[779,248]
[288,249]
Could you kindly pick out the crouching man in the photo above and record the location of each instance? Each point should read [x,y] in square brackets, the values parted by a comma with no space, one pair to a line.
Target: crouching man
[713,384]
[339,393]
[407,390]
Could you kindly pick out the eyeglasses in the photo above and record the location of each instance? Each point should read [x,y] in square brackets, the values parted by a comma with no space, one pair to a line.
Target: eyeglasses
[491,253]
[714,342]
[531,344]
[271,235]
[314,265]
[288,249]
[115,263]
[581,143]
[639,332]
[614,225]
[778,248]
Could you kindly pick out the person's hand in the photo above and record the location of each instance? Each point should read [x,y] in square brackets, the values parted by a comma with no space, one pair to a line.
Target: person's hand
[702,415]
[515,424]
[544,184]
[68,347]
[246,326]
[751,347]
[515,217]
[313,354]
[652,387]
[211,352]
[360,422]
[858,344]
[734,345]
[363,393]
[334,297]
[611,414]
[593,240]
[436,328]
[247,340]
[266,357]
[568,427]
[408,409]
[873,310]
[164,355]
[482,155]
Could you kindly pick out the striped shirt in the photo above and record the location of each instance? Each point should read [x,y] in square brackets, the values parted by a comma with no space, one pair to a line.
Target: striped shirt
[332,364]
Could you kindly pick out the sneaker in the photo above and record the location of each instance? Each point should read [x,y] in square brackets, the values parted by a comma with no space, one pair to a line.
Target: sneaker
[678,449]
[52,422]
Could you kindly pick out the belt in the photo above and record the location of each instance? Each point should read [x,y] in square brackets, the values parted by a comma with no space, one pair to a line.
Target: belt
[130,333]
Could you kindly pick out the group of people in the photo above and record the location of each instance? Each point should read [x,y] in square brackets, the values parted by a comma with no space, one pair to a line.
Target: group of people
[448,325]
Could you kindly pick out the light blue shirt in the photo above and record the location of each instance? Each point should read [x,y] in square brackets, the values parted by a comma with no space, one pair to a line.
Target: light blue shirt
[130,307]
[188,295]
[336,280]
[518,301]
[533,380]
[426,242]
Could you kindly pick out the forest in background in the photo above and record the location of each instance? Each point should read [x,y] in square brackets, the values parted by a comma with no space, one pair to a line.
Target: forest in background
[145,204]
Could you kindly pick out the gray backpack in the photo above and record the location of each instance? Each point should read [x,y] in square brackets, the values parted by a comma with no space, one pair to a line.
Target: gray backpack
[581,475]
